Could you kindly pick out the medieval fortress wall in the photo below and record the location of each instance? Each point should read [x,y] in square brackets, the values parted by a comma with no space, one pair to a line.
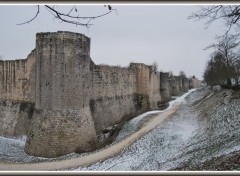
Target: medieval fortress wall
[62,101]
[17,95]
[17,80]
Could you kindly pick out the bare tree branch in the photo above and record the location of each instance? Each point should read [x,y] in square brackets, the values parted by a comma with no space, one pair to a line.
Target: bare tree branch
[207,12]
[225,62]
[230,14]
[77,17]
[38,11]
[68,17]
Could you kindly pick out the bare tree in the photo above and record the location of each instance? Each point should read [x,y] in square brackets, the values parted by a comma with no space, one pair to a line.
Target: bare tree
[237,71]
[218,71]
[208,72]
[213,71]
[227,46]
[71,17]
[230,14]
[182,74]
[155,66]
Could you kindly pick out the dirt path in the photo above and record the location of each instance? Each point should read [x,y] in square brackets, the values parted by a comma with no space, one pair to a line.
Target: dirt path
[95,157]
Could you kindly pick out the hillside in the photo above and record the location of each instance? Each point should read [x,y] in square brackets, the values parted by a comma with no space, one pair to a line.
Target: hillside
[216,145]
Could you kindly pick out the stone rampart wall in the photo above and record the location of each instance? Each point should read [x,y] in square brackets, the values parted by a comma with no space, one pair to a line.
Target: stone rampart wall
[15,117]
[17,79]
[69,100]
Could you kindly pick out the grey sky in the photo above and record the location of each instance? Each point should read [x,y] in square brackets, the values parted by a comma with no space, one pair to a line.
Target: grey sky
[138,33]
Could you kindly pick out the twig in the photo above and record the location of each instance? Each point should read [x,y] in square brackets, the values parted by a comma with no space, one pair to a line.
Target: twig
[38,11]
[67,17]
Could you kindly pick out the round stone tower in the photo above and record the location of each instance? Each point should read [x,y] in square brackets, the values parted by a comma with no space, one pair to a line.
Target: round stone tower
[62,122]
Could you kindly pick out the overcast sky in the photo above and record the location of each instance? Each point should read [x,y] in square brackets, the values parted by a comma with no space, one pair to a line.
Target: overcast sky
[136,33]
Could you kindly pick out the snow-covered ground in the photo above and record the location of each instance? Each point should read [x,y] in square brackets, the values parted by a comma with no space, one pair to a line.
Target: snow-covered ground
[159,149]
[135,123]
[12,149]
[218,134]
[205,127]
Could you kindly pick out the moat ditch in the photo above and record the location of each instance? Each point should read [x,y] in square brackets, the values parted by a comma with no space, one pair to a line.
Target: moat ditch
[13,148]
[202,135]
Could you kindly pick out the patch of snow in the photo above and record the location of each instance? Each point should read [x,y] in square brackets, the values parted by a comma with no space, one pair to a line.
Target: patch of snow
[180,99]
[132,125]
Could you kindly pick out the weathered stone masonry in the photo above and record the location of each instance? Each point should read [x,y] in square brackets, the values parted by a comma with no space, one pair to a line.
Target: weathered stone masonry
[62,101]
[17,95]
